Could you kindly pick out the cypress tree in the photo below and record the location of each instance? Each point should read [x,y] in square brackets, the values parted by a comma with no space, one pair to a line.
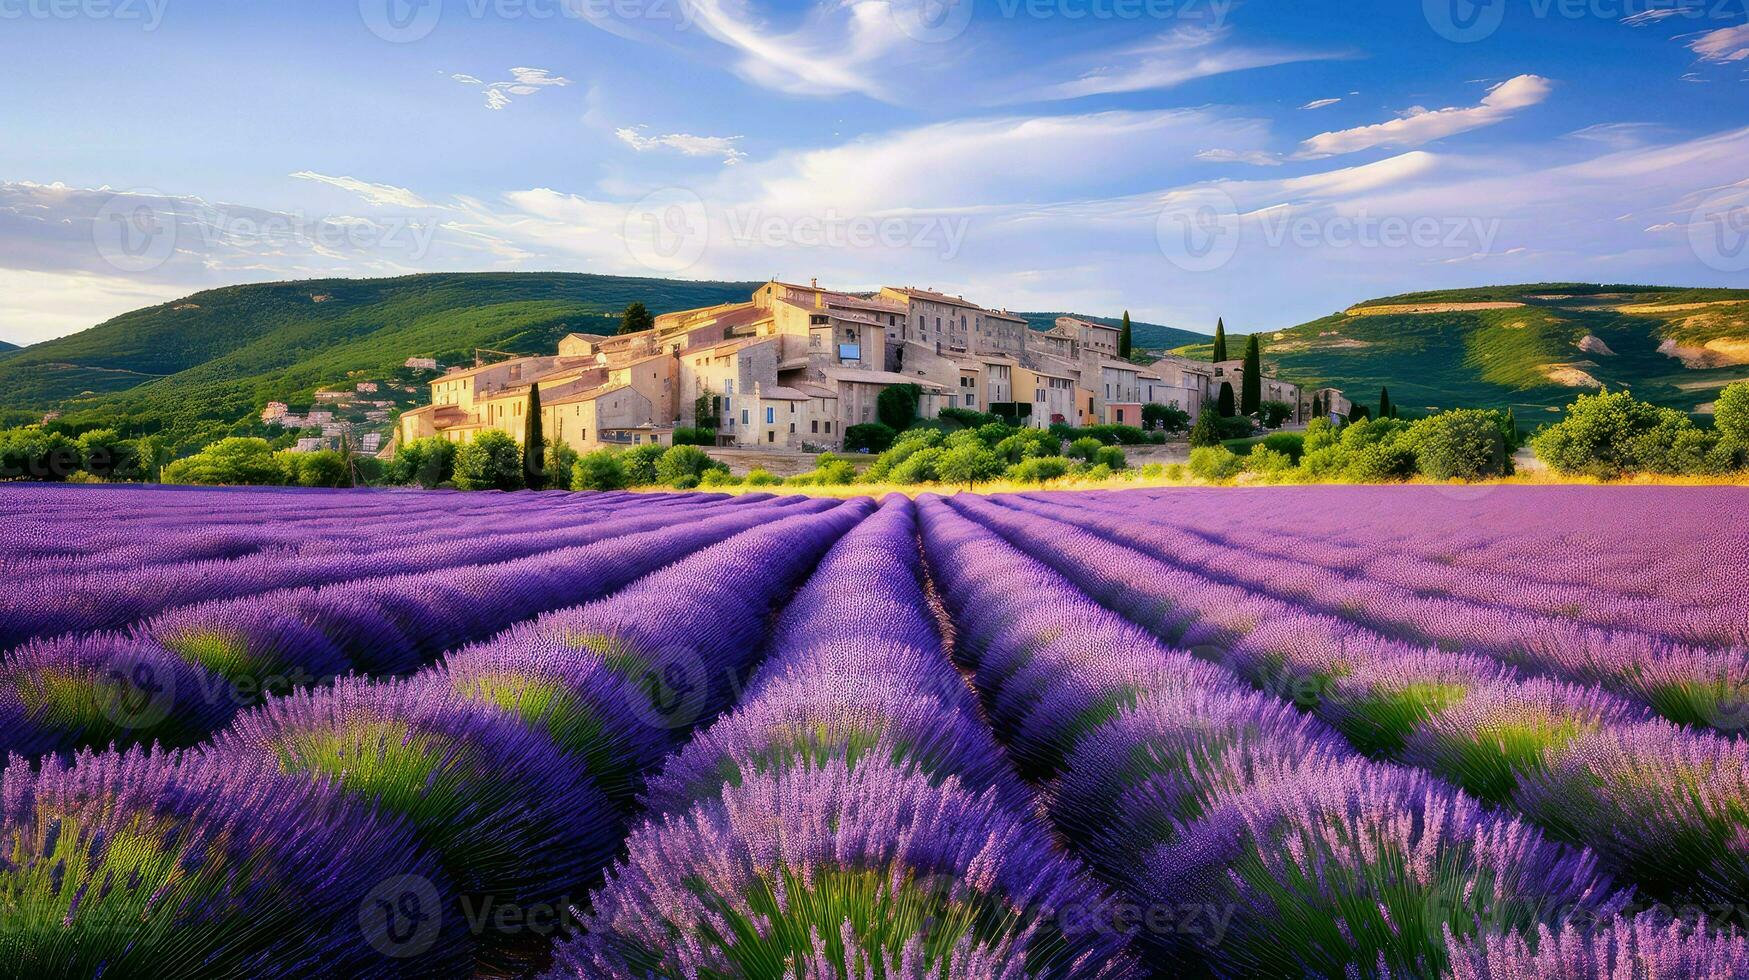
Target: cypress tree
[636,319]
[534,450]
[1385,409]
[1220,340]
[1123,338]
[1251,385]
[1224,404]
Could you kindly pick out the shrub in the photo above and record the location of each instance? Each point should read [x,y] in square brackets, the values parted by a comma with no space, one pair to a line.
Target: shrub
[964,437]
[493,461]
[557,466]
[1206,432]
[1111,457]
[1319,434]
[323,468]
[1038,469]
[719,478]
[1153,471]
[1465,444]
[919,466]
[1290,444]
[1731,413]
[34,453]
[1385,461]
[1165,417]
[1262,459]
[426,462]
[1028,444]
[1096,472]
[965,418]
[681,462]
[695,437]
[829,471]
[1610,434]
[640,464]
[1272,414]
[599,470]
[896,407]
[968,464]
[1085,448]
[1215,463]
[872,437]
[762,478]
[1235,427]
[233,462]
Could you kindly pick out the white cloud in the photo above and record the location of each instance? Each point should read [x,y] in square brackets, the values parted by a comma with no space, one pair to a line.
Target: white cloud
[1256,158]
[381,195]
[1167,60]
[685,143]
[1727,44]
[1419,126]
[1619,136]
[849,46]
[522,82]
[1320,103]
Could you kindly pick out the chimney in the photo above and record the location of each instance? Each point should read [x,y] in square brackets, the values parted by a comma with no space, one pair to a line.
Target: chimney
[814,283]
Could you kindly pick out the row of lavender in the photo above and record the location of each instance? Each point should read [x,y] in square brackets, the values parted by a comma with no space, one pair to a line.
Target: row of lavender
[1253,839]
[1666,805]
[183,672]
[433,825]
[853,818]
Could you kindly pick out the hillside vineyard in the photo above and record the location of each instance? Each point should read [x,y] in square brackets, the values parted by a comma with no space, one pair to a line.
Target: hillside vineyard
[1331,731]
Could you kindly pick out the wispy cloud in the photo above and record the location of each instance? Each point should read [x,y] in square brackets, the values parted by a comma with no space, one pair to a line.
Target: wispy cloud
[1171,59]
[846,47]
[685,143]
[1725,45]
[522,82]
[1320,103]
[1256,158]
[381,195]
[1419,126]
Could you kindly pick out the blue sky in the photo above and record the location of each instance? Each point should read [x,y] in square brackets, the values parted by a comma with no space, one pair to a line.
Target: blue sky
[1262,160]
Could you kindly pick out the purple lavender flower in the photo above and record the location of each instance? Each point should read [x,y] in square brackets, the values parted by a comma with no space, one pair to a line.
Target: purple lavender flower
[1647,945]
[148,864]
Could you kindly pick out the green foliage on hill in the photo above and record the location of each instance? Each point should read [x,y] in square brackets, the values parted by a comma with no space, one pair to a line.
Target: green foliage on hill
[6,348]
[1144,336]
[201,367]
[1562,341]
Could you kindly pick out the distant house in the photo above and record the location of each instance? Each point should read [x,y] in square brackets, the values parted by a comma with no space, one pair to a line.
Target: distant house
[319,418]
[367,387]
[309,444]
[420,364]
[331,396]
[275,412]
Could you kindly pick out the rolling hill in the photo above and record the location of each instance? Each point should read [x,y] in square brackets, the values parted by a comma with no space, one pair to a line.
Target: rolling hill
[1148,336]
[1532,347]
[202,366]
[6,348]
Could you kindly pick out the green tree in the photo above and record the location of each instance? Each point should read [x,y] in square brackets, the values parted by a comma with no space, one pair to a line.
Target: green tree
[1086,448]
[322,468]
[35,453]
[1731,413]
[874,437]
[1386,409]
[1464,444]
[705,409]
[561,460]
[237,461]
[426,462]
[1251,384]
[534,444]
[148,457]
[640,464]
[1224,404]
[1220,353]
[636,319]
[600,470]
[896,406]
[1167,418]
[682,462]
[969,464]
[1273,413]
[1124,342]
[101,453]
[493,461]
[1206,431]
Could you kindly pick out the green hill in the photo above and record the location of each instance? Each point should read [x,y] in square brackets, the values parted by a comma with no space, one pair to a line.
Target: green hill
[6,348]
[1533,347]
[1149,336]
[204,365]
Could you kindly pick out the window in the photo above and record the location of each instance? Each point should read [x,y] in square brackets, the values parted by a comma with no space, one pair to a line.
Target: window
[729,386]
[968,401]
[792,427]
[816,428]
[770,415]
[1120,416]
[828,426]
[770,436]
[743,416]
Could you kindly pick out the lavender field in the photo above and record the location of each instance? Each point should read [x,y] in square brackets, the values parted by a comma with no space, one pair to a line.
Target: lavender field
[1324,731]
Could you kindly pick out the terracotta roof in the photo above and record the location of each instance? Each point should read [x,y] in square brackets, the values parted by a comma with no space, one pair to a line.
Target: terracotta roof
[586,396]
[876,378]
[935,297]
[468,372]
[727,347]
